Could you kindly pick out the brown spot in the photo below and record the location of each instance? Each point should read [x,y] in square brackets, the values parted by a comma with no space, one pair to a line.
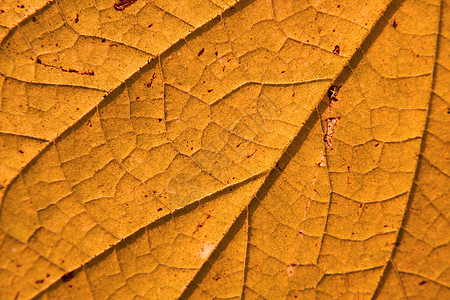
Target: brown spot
[248,156]
[336,50]
[39,281]
[103,40]
[422,282]
[76,19]
[160,120]
[20,151]
[377,144]
[202,224]
[348,168]
[1,11]
[216,53]
[122,4]
[394,24]
[150,25]
[160,209]
[69,70]
[201,52]
[34,19]
[209,91]
[151,80]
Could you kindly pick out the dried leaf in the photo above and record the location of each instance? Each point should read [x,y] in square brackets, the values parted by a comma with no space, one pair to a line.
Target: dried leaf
[224,149]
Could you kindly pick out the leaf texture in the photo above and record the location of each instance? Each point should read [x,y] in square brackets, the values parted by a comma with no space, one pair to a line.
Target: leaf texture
[212,149]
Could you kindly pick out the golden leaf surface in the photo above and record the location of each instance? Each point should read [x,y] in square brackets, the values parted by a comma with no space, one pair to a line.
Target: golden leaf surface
[225,149]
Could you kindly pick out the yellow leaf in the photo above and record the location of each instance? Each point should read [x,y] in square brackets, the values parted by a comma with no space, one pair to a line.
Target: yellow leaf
[224,149]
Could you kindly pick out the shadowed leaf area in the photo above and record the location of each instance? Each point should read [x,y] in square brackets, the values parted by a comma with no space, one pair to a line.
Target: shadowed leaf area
[224,149]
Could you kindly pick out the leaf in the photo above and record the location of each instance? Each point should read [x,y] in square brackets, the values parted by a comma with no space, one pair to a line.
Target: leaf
[222,150]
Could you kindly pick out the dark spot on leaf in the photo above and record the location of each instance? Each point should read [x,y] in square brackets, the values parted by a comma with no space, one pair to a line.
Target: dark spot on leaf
[122,4]
[20,151]
[103,40]
[160,120]
[336,50]
[394,24]
[150,25]
[76,19]
[248,156]
[201,52]
[160,209]
[422,282]
[151,80]
[333,91]
[39,281]
[34,19]
[209,91]
[377,144]
[69,70]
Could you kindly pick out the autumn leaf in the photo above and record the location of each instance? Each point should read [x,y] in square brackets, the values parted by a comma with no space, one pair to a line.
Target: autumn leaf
[224,149]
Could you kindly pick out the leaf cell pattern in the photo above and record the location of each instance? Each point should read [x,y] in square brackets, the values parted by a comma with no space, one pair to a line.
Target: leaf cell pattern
[160,149]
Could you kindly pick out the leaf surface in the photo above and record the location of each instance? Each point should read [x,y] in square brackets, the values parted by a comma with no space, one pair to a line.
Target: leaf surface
[280,149]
